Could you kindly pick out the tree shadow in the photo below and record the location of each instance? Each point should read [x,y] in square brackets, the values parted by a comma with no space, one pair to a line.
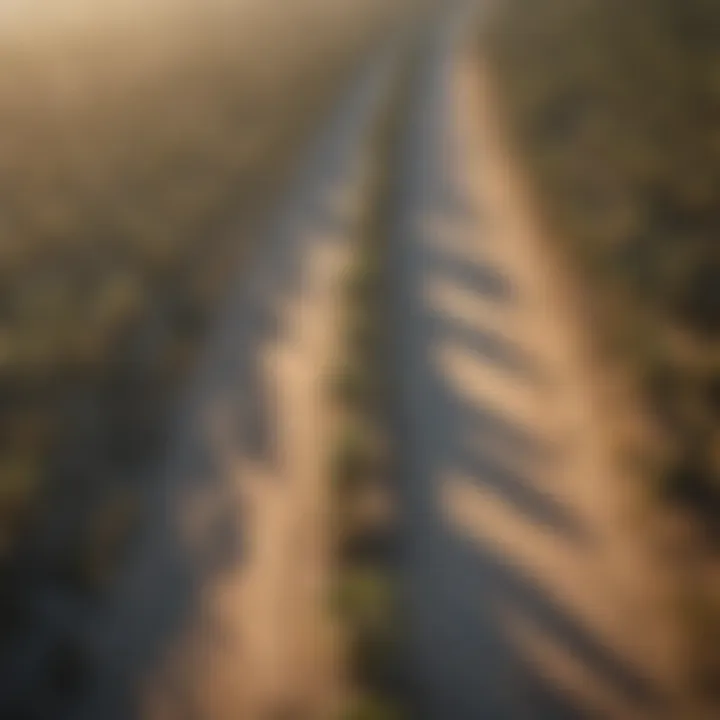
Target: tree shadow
[492,346]
[462,654]
[480,278]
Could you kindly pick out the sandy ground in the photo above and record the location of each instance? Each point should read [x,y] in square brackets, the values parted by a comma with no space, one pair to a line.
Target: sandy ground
[223,612]
[529,591]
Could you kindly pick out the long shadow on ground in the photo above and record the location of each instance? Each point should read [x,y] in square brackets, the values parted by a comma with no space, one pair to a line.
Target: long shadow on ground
[464,661]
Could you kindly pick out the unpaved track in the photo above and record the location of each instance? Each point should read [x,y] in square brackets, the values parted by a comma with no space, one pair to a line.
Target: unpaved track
[528,594]
[223,612]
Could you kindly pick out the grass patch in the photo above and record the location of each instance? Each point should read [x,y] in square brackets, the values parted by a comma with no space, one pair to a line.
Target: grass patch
[139,150]
[375,708]
[358,457]
[366,595]
[354,385]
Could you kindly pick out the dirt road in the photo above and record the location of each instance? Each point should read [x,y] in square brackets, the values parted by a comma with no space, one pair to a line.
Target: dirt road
[528,592]
[223,612]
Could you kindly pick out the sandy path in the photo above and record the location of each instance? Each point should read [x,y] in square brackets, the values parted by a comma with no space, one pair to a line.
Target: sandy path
[528,592]
[223,613]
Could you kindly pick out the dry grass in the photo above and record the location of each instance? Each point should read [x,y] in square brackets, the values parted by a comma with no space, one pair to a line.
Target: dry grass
[616,109]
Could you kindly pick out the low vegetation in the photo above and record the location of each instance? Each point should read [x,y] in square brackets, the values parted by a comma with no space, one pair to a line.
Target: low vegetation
[366,593]
[616,108]
[139,145]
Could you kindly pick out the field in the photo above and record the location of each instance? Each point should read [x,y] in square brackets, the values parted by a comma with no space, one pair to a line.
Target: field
[616,110]
[138,149]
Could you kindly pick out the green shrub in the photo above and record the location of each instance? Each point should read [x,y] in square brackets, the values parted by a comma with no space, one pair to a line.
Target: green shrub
[354,385]
[356,458]
[373,707]
[366,598]
[363,284]
[366,602]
